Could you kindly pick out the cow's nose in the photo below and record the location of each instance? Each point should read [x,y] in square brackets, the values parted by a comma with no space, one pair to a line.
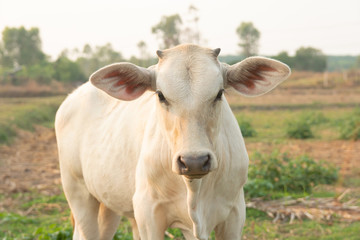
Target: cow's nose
[194,166]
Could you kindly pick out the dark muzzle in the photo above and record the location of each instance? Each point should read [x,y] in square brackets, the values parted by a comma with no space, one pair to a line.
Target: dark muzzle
[194,166]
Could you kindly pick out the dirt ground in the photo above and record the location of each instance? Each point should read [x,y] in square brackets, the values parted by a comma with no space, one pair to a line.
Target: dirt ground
[31,162]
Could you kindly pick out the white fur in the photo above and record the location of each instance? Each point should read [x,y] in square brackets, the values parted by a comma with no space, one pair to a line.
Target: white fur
[117,157]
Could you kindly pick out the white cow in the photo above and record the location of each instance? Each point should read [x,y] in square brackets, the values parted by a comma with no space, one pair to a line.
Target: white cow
[160,145]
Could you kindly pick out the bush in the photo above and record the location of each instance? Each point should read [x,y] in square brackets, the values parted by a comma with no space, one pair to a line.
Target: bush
[6,133]
[279,173]
[350,126]
[314,118]
[246,128]
[299,129]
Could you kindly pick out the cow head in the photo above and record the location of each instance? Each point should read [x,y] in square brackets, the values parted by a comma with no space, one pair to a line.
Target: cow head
[189,82]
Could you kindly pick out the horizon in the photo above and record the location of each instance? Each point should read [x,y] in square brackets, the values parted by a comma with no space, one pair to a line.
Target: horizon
[324,25]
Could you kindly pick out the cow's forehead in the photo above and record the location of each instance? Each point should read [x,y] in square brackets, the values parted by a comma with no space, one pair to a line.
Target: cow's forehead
[189,71]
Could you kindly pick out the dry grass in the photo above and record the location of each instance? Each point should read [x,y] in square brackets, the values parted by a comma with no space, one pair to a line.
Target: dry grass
[34,89]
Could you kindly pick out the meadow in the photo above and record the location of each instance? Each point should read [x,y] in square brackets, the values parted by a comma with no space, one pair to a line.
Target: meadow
[303,119]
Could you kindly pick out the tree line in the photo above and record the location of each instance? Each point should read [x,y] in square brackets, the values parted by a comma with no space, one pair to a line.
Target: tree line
[22,58]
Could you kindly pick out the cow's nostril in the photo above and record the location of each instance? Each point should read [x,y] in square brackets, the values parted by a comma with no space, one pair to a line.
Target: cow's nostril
[181,163]
[194,165]
[206,166]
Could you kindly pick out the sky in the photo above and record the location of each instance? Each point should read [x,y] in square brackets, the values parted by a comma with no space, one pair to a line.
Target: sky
[332,26]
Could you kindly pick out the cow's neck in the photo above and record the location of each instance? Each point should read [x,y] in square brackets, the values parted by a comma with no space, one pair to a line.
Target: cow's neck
[195,207]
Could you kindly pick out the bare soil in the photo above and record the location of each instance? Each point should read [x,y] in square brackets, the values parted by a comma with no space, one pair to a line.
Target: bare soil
[31,164]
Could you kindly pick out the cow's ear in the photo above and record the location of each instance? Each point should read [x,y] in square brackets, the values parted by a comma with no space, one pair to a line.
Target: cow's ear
[123,81]
[255,76]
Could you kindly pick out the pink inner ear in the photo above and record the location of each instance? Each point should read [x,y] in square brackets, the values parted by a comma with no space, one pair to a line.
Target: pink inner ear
[265,68]
[111,74]
[255,75]
[120,82]
[130,88]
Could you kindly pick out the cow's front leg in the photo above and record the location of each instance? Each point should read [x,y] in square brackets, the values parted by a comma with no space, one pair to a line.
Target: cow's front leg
[150,216]
[232,227]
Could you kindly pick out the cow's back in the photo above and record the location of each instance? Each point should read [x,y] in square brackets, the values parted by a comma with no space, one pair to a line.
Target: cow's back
[99,140]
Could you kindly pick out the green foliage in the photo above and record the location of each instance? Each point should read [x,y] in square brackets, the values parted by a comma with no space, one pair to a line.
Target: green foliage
[42,73]
[249,38]
[350,126]
[247,129]
[92,59]
[314,118]
[310,59]
[168,30]
[21,47]
[68,71]
[26,120]
[299,129]
[340,63]
[279,173]
[285,58]
[305,59]
[25,115]
[6,133]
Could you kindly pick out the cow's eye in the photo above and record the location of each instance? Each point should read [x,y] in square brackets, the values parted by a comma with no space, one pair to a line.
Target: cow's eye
[219,95]
[162,99]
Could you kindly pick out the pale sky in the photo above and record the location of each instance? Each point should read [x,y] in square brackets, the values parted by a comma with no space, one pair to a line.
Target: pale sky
[330,25]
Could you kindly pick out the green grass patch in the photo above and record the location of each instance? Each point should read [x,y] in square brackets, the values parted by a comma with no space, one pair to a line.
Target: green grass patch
[277,173]
[24,113]
[55,225]
[299,129]
[38,217]
[350,126]
[305,230]
[246,127]
[273,125]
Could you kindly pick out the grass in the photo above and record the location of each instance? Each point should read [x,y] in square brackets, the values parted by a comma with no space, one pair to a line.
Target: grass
[271,125]
[36,216]
[24,113]
[306,230]
[49,220]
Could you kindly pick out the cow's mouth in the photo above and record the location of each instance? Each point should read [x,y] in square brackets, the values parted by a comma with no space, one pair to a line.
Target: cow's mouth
[193,176]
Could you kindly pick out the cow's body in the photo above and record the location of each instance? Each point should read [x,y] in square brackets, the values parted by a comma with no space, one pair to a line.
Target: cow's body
[127,157]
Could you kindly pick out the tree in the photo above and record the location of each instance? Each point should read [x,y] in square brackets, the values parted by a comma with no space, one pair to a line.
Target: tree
[68,71]
[310,59]
[249,38]
[93,59]
[42,73]
[21,47]
[285,58]
[168,30]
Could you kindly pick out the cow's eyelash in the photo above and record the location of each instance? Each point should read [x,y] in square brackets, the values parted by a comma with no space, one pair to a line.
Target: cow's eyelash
[219,95]
[161,97]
